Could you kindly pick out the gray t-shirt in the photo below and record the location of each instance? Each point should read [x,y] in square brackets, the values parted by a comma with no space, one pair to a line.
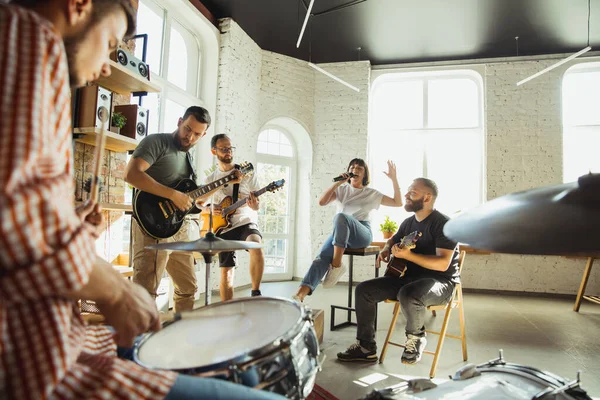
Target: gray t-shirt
[168,165]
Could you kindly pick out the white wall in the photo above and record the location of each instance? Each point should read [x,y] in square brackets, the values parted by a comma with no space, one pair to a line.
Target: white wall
[523,132]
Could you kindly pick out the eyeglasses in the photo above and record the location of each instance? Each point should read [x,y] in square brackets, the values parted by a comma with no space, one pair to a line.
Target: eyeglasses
[226,149]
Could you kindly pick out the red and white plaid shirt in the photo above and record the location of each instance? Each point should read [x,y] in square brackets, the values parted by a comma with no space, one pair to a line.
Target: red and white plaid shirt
[46,351]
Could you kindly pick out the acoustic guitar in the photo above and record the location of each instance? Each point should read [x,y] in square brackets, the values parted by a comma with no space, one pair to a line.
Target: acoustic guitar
[223,221]
[397,266]
[159,218]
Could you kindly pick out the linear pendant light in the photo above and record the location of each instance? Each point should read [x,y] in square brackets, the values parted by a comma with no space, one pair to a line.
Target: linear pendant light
[305,22]
[561,62]
[321,70]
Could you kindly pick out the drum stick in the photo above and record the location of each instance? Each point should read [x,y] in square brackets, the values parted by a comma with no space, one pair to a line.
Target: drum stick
[98,157]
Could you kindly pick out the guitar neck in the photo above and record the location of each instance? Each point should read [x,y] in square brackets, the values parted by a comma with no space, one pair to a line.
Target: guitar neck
[243,201]
[202,190]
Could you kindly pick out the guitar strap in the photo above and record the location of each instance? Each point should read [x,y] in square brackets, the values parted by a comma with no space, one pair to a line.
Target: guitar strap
[236,188]
[190,161]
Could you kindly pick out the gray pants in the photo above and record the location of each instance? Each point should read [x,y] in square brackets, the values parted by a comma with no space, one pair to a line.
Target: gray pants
[414,294]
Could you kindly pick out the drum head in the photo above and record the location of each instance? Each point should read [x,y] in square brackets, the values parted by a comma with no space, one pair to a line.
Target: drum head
[219,332]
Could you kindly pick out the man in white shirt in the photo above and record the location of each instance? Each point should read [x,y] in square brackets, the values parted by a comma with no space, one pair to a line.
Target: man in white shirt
[243,221]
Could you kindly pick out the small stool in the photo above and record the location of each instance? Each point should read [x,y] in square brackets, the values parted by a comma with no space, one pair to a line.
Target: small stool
[366,251]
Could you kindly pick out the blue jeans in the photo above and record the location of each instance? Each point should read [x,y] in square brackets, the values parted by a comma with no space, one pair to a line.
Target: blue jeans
[348,232]
[189,387]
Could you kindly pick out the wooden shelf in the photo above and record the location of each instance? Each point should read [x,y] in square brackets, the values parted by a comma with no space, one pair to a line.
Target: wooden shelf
[124,81]
[114,142]
[113,206]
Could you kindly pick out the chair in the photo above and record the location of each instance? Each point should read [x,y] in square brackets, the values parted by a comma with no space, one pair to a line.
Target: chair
[455,302]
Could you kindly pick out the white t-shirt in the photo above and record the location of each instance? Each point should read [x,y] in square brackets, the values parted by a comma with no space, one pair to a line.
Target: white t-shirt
[243,215]
[357,202]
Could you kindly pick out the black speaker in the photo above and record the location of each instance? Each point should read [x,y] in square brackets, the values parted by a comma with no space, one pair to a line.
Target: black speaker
[93,106]
[131,62]
[136,126]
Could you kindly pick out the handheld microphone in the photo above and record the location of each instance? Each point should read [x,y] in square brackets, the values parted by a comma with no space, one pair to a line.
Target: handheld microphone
[341,178]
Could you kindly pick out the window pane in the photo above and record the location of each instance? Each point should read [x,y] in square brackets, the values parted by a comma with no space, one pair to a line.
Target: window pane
[183,58]
[398,105]
[272,141]
[581,96]
[275,255]
[581,146]
[173,111]
[453,103]
[150,21]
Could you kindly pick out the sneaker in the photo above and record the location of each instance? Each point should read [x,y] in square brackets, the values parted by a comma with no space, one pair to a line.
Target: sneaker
[413,349]
[358,353]
[333,275]
[297,298]
[255,293]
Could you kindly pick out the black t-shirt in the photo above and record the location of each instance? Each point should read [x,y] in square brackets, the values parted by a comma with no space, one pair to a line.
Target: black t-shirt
[432,230]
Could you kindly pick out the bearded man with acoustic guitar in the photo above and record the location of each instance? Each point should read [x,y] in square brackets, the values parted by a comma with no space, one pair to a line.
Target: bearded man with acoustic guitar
[423,271]
[241,224]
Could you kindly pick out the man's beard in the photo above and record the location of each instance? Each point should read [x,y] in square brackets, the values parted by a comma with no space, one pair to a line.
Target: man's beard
[179,144]
[225,159]
[415,205]
[72,47]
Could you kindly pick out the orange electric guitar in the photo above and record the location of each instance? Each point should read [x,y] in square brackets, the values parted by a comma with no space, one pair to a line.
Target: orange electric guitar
[222,221]
[397,266]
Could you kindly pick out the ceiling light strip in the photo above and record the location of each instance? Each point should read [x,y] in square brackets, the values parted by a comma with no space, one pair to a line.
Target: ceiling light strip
[561,62]
[305,22]
[321,70]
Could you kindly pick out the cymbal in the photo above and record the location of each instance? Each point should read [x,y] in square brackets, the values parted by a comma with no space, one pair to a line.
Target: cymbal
[209,244]
[552,220]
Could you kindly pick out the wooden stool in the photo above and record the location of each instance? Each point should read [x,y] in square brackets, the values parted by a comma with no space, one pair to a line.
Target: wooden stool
[366,251]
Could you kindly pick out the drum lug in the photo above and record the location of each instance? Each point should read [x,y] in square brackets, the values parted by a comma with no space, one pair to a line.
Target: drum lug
[551,393]
[467,372]
[495,361]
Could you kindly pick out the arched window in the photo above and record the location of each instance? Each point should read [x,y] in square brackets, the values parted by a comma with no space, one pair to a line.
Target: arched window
[431,125]
[276,159]
[581,120]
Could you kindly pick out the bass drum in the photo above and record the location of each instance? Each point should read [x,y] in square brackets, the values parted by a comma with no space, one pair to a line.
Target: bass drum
[262,342]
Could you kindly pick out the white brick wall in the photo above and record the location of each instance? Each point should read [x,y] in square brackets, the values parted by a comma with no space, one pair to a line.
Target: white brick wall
[524,144]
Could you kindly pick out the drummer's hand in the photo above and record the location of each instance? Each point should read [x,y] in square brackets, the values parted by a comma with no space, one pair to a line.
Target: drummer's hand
[384,255]
[181,200]
[133,313]
[91,213]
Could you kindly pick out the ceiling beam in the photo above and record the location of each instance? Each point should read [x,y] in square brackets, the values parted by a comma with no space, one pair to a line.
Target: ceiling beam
[336,8]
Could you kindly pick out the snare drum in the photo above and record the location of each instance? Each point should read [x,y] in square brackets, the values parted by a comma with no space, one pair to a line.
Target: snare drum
[262,342]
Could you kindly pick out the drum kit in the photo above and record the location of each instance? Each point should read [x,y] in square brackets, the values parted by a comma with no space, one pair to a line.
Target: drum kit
[270,344]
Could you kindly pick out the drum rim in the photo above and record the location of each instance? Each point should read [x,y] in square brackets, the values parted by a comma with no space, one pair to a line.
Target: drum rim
[293,332]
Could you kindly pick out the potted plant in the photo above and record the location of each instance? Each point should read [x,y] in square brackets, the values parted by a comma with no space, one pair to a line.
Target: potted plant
[117,122]
[388,227]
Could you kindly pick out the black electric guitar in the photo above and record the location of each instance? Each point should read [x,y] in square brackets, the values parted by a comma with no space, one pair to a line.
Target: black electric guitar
[221,222]
[397,266]
[159,217]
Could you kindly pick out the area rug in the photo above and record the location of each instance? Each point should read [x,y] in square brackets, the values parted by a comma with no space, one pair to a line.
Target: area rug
[319,393]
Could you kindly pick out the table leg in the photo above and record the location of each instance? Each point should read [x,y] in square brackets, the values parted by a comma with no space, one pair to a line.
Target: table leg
[584,281]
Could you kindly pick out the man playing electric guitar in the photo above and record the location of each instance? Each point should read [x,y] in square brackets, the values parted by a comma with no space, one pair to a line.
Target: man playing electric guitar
[158,163]
[429,278]
[242,221]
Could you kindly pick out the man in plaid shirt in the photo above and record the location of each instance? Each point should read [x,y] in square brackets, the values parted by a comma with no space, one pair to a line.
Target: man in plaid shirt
[47,251]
